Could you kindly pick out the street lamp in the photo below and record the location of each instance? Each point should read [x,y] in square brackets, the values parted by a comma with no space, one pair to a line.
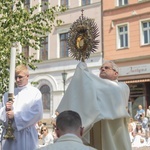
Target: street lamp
[64,76]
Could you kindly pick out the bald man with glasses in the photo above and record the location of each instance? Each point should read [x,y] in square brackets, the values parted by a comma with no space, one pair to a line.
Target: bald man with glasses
[109,70]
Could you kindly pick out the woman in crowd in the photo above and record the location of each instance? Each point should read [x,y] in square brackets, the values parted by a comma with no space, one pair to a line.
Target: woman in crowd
[148,113]
[46,137]
[139,136]
[132,123]
[148,135]
[38,127]
[130,129]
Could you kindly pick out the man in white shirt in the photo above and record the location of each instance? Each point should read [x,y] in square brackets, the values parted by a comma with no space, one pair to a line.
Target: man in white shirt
[143,120]
[139,112]
[25,111]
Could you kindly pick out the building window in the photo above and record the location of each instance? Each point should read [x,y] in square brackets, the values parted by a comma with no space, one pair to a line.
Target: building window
[63,45]
[44,5]
[122,36]
[27,4]
[44,49]
[122,2]
[64,3]
[25,51]
[146,32]
[85,2]
[45,90]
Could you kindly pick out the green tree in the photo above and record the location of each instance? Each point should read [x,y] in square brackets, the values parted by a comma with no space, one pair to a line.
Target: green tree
[26,26]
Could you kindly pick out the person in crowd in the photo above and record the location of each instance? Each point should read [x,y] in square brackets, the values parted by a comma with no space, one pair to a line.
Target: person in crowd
[69,131]
[130,130]
[132,123]
[139,136]
[53,122]
[38,127]
[53,118]
[143,120]
[147,131]
[24,111]
[54,134]
[139,112]
[46,137]
[148,113]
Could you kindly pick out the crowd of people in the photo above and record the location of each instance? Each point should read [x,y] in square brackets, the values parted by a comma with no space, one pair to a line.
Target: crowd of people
[139,128]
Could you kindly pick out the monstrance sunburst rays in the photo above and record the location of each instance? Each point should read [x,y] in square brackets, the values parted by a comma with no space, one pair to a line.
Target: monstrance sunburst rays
[82,38]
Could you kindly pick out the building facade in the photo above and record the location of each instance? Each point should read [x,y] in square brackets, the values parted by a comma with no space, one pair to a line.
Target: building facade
[54,53]
[126,40]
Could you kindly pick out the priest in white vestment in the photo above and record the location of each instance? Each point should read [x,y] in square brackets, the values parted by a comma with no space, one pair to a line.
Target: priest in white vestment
[100,99]
[25,111]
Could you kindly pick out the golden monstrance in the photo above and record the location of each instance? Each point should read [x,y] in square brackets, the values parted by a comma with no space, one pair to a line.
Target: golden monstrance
[82,38]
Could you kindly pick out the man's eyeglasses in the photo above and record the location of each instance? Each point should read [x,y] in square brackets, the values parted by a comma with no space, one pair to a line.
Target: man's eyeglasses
[20,77]
[106,68]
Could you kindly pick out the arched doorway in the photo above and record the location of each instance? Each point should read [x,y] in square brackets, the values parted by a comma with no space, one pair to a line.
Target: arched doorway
[45,90]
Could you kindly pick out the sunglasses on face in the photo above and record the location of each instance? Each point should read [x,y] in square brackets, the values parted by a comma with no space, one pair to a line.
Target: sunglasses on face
[107,68]
[44,130]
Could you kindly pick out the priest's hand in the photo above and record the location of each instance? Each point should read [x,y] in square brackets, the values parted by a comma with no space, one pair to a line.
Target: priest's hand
[10,114]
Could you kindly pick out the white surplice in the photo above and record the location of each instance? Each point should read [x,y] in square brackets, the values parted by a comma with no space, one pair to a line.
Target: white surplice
[28,110]
[97,99]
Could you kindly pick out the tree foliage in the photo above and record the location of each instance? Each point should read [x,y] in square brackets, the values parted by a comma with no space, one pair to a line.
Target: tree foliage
[24,25]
